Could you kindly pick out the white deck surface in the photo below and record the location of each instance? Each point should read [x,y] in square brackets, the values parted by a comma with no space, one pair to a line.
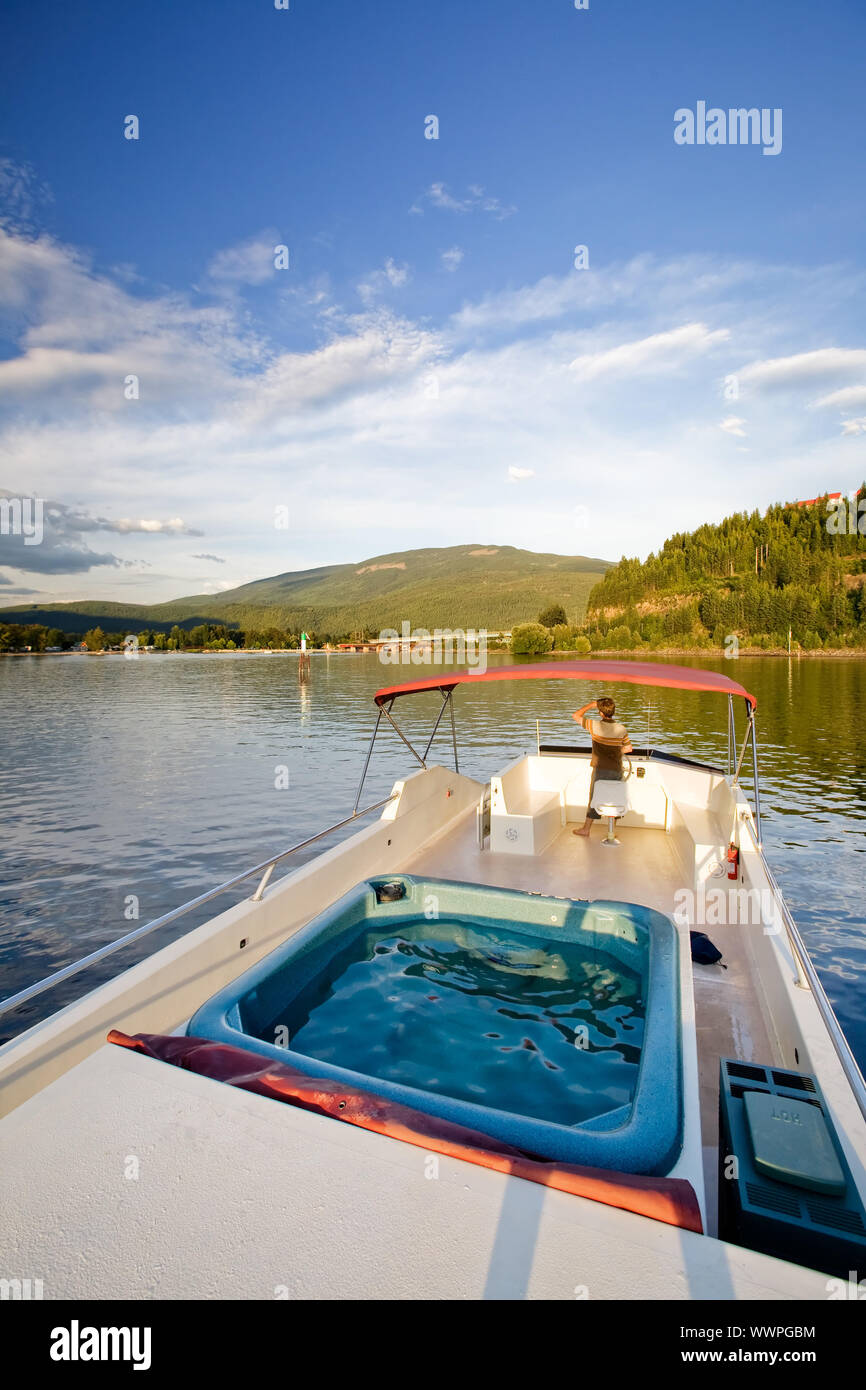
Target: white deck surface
[243,1197]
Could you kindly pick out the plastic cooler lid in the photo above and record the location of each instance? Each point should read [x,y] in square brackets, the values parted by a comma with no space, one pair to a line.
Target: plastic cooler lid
[791,1143]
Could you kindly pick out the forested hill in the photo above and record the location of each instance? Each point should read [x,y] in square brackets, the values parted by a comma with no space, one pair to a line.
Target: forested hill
[461,586]
[753,575]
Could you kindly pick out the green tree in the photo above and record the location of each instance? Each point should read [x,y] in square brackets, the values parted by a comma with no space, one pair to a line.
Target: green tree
[554,616]
[95,640]
[531,639]
[11,637]
[34,637]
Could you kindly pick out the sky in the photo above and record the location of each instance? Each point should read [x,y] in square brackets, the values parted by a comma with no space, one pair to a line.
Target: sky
[284,327]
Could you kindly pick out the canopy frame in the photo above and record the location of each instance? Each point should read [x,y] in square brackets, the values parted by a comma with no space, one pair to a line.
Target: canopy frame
[447,693]
[628,672]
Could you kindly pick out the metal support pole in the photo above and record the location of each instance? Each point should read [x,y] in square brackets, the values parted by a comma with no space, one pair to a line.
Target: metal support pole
[757,785]
[266,878]
[413,751]
[453,730]
[732,740]
[445,697]
[367,760]
[742,754]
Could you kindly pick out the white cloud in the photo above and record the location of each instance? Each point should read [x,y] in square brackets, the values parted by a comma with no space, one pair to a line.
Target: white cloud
[734,425]
[855,426]
[251,262]
[80,335]
[391,274]
[658,352]
[846,398]
[474,200]
[176,526]
[613,373]
[452,258]
[23,196]
[802,368]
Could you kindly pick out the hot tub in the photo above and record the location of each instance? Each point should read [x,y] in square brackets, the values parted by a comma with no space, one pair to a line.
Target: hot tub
[549,1024]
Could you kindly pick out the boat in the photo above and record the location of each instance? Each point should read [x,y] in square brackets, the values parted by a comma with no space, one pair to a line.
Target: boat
[462,1053]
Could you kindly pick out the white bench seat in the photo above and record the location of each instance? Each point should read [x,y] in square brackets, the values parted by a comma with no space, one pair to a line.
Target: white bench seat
[699,840]
[525,814]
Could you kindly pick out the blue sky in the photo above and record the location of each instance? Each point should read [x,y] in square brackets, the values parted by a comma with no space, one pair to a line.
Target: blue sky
[431,369]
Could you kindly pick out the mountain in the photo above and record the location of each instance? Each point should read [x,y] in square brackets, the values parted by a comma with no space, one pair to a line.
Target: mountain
[800,566]
[461,586]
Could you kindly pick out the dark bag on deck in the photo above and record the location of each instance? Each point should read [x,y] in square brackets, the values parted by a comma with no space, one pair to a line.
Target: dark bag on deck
[703,950]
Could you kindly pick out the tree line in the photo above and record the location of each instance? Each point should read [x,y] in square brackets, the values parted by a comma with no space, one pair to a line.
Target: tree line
[797,568]
[35,637]
[794,570]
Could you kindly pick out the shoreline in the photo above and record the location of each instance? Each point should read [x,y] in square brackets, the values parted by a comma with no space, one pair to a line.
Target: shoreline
[650,653]
[636,654]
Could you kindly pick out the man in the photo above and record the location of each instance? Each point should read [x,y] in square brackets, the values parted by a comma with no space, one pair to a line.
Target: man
[610,741]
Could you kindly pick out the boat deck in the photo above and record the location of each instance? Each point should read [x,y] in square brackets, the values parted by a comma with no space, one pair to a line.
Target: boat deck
[729,1015]
[128,1178]
[232,1196]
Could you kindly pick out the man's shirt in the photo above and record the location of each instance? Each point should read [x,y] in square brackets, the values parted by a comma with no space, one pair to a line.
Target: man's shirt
[609,737]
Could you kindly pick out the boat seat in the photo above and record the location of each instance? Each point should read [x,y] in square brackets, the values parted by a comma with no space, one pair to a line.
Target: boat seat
[527,810]
[610,799]
[699,841]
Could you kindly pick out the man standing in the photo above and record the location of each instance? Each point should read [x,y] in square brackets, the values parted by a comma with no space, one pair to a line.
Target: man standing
[610,741]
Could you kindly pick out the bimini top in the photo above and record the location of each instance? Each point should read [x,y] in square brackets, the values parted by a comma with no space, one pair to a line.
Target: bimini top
[628,672]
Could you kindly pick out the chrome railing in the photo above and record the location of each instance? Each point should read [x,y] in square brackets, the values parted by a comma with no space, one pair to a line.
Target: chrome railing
[265,868]
[806,969]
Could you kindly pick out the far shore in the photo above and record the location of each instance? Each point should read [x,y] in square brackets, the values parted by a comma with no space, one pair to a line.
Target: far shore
[648,653]
[632,653]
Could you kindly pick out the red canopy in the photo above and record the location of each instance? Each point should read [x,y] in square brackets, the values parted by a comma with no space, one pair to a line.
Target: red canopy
[628,672]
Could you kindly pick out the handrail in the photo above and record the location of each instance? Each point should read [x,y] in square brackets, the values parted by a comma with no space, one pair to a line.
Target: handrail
[266,868]
[846,1057]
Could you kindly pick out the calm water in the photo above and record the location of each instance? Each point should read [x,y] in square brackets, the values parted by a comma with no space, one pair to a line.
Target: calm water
[151,780]
[466,1014]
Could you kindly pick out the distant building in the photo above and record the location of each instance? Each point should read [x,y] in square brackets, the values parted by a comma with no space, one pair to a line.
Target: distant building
[813,501]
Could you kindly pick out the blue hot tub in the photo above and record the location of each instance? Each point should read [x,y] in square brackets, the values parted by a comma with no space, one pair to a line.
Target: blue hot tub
[549,1024]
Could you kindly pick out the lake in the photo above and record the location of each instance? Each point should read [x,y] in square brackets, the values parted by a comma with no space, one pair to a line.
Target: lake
[148,780]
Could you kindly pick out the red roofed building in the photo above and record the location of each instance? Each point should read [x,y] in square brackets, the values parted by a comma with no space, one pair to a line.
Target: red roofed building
[825,497]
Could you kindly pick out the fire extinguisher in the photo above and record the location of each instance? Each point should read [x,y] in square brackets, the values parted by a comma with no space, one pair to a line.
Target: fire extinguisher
[733,861]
